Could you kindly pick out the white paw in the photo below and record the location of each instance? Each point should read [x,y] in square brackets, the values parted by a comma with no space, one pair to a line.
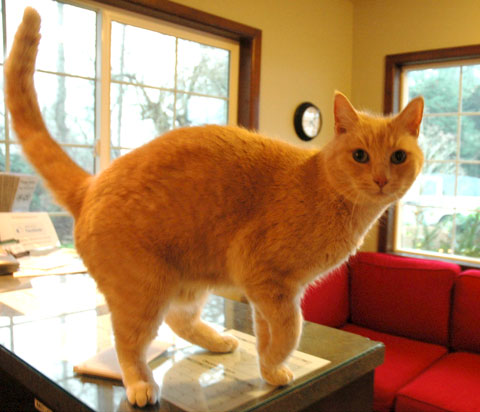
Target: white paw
[277,376]
[141,393]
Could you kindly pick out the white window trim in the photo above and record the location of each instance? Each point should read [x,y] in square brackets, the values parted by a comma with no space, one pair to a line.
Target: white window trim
[397,247]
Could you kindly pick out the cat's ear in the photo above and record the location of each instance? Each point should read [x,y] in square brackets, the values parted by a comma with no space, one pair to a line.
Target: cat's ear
[411,117]
[345,115]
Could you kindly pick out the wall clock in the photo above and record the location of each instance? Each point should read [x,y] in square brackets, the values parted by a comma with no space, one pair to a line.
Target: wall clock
[307,121]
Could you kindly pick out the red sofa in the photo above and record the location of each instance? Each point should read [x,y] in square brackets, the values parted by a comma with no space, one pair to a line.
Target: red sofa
[426,312]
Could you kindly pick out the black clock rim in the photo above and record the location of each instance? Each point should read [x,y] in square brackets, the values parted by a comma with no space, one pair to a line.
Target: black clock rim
[297,120]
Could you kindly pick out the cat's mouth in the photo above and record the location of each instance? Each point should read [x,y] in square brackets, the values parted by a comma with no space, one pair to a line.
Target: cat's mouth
[381,193]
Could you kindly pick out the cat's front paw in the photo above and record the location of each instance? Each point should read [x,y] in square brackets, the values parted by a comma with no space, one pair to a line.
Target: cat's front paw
[277,376]
[141,393]
[227,343]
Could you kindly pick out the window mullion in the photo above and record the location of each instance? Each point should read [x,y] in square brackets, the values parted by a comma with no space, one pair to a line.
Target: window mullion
[457,158]
[175,86]
[102,91]
[5,114]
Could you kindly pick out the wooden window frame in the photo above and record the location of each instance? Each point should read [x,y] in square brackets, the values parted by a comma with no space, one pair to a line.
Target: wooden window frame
[394,64]
[249,38]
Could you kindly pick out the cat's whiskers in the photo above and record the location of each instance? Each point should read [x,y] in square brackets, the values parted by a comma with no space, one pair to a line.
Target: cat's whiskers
[354,205]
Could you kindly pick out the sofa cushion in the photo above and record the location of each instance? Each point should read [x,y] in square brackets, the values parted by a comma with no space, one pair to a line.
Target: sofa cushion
[466,312]
[451,384]
[326,301]
[404,296]
[405,359]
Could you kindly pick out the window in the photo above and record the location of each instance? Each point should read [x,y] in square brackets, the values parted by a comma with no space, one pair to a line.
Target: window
[440,215]
[128,78]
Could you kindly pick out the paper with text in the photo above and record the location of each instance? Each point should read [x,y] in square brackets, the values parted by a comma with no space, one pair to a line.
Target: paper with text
[32,230]
[197,380]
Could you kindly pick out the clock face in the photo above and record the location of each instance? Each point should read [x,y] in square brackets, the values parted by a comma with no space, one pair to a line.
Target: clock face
[307,121]
[311,121]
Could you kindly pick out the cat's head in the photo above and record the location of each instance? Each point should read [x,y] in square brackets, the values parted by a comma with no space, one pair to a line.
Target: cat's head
[374,159]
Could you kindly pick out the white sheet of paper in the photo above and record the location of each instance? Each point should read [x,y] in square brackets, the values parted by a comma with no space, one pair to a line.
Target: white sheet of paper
[32,230]
[197,380]
[25,189]
[105,363]
[56,262]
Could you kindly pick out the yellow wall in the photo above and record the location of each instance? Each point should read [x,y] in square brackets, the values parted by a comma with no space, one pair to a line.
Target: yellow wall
[383,27]
[306,55]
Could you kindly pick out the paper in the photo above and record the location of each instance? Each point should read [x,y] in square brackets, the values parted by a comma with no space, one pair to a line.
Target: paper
[197,380]
[105,363]
[24,195]
[56,262]
[32,230]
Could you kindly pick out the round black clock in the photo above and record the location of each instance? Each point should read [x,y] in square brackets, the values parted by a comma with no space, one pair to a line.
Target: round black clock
[307,121]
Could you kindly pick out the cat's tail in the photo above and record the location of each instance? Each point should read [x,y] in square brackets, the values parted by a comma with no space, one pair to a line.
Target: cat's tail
[63,176]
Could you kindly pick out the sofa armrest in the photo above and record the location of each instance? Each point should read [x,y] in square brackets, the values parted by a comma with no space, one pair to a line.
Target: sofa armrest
[466,312]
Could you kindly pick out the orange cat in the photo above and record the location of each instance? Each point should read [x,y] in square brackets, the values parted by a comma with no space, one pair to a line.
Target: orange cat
[211,206]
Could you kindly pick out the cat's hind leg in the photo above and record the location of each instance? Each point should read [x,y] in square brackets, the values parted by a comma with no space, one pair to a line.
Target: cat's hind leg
[184,318]
[278,326]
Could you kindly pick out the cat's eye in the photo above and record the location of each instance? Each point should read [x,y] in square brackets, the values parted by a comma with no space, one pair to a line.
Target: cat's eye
[398,157]
[361,156]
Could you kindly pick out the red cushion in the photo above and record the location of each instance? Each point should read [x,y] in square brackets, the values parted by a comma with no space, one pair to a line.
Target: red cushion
[326,301]
[405,359]
[404,296]
[451,384]
[466,312]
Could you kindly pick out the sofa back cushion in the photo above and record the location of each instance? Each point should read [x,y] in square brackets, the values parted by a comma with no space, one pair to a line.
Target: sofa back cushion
[466,312]
[404,296]
[326,301]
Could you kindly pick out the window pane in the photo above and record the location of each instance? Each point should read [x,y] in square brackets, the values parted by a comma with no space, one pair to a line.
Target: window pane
[1,38]
[202,69]
[133,62]
[439,87]
[470,138]
[438,138]
[64,227]
[471,89]
[427,228]
[469,185]
[67,105]
[18,163]
[116,152]
[196,110]
[62,48]
[2,109]
[42,199]
[467,234]
[3,166]
[438,179]
[139,114]
[83,156]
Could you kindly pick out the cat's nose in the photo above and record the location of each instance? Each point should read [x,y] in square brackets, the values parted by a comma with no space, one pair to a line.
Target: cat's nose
[381,181]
